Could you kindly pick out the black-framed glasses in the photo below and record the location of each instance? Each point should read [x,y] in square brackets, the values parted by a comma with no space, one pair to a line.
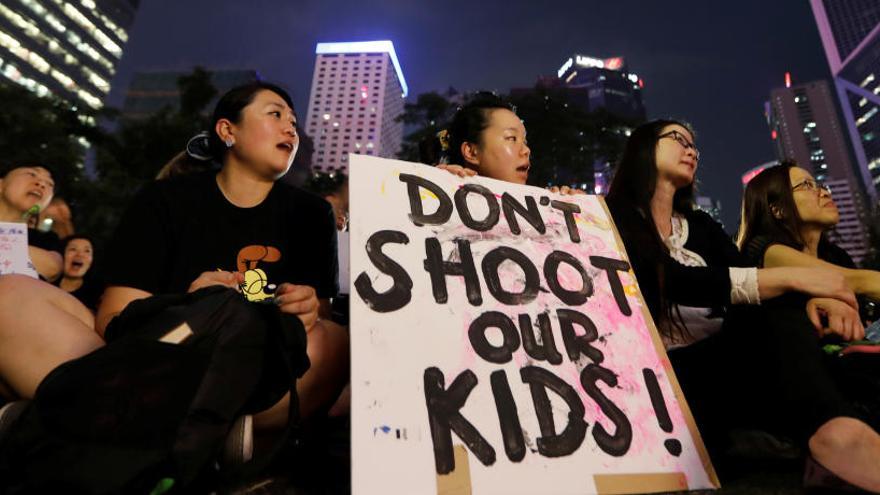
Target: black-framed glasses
[811,185]
[680,139]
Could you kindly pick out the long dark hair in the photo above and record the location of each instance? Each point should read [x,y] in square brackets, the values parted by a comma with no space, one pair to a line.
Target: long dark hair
[634,182]
[205,149]
[636,175]
[769,209]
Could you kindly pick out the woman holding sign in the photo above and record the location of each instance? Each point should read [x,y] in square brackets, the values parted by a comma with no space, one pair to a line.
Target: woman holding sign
[725,348]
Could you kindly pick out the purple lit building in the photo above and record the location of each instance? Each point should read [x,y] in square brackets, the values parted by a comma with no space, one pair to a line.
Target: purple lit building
[358,91]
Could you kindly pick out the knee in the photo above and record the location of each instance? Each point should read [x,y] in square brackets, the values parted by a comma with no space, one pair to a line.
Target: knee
[328,342]
[838,435]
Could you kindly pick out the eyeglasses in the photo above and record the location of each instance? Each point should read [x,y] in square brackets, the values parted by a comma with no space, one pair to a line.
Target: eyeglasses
[811,186]
[682,141]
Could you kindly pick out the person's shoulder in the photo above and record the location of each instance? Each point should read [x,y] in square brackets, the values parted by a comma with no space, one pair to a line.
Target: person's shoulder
[756,247]
[301,199]
[621,209]
[832,253]
[178,188]
[186,182]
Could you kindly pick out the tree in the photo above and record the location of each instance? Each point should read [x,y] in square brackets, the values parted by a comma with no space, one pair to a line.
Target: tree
[44,131]
[566,141]
[425,118]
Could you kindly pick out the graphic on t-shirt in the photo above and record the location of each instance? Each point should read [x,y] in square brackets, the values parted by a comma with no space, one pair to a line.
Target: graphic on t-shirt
[256,286]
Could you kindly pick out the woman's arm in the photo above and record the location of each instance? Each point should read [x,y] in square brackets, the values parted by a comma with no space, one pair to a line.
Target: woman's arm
[116,298]
[862,282]
[816,282]
[48,263]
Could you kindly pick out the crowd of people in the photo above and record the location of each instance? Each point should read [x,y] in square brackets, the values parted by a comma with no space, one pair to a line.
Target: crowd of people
[217,215]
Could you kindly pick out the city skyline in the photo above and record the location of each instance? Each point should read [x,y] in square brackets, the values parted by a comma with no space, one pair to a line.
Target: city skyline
[713,68]
[65,49]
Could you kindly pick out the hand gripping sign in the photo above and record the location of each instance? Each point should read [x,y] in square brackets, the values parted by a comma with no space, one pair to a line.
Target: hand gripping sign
[500,345]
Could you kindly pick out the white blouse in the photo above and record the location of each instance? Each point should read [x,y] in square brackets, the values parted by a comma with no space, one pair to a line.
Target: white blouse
[743,290]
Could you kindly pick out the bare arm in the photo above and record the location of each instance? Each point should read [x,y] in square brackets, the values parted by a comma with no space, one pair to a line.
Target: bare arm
[817,282]
[863,282]
[48,263]
[116,298]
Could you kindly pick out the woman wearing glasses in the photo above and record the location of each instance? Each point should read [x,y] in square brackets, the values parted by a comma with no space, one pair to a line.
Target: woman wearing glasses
[786,214]
[740,363]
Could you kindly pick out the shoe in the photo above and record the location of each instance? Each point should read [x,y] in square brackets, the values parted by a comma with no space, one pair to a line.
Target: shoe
[239,447]
[9,414]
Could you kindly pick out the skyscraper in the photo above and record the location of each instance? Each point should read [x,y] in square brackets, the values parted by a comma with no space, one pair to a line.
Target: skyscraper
[603,84]
[357,93]
[850,32]
[803,120]
[66,48]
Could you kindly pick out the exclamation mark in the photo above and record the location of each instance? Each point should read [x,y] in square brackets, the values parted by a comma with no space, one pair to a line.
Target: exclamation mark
[672,444]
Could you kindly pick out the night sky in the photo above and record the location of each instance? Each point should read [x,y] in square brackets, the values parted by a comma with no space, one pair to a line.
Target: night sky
[710,63]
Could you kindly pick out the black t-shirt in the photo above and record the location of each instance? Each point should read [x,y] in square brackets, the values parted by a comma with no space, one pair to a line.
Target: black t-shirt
[89,293]
[178,228]
[45,240]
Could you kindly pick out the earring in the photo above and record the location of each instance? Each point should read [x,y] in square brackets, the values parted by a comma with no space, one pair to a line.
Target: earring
[229,142]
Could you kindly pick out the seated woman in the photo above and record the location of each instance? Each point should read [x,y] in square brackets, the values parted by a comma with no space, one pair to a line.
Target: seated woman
[726,354]
[41,326]
[213,228]
[238,226]
[786,215]
[24,192]
[77,277]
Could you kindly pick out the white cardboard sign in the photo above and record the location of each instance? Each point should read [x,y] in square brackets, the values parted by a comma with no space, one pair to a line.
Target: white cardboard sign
[14,250]
[500,345]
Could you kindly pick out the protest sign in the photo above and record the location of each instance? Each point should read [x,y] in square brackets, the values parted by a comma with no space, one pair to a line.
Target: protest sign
[500,345]
[14,250]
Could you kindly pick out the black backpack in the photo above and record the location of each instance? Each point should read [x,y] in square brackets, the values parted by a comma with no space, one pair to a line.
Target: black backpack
[151,410]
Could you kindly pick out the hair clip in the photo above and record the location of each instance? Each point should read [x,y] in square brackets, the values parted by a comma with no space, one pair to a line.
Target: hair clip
[199,147]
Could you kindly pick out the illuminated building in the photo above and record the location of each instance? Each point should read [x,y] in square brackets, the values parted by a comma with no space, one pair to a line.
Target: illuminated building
[746,177]
[803,118]
[66,48]
[150,92]
[358,90]
[603,84]
[592,84]
[850,32]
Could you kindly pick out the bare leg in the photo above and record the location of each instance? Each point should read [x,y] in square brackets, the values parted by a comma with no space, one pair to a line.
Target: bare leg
[327,349]
[850,449]
[41,327]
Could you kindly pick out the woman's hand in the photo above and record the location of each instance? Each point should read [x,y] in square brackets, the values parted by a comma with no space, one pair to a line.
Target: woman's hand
[457,170]
[569,191]
[840,318]
[227,279]
[821,282]
[299,300]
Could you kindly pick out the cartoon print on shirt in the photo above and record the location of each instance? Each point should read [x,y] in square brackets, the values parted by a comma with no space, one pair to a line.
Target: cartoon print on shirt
[256,286]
